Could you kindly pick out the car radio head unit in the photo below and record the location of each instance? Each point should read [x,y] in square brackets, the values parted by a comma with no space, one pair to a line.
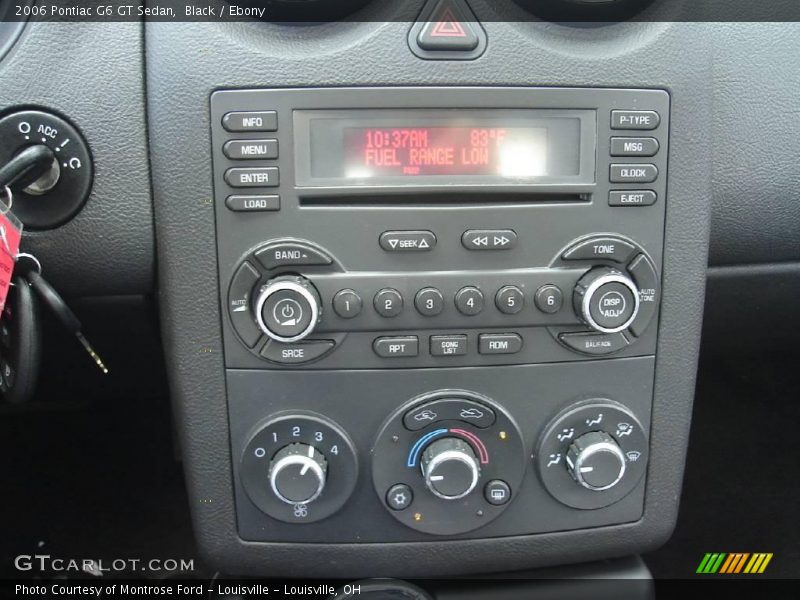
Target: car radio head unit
[441,307]
[429,147]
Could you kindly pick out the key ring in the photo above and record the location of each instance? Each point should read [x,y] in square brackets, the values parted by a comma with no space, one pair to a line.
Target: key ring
[31,257]
[7,191]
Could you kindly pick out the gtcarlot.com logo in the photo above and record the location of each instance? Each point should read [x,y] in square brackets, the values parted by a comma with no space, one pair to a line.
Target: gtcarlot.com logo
[94,566]
[734,563]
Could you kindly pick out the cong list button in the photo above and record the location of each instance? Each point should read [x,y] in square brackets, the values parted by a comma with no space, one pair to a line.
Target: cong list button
[499,343]
[489,239]
[407,241]
[448,345]
[396,347]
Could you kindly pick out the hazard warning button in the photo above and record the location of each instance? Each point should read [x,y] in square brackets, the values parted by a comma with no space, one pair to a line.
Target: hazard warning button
[447,28]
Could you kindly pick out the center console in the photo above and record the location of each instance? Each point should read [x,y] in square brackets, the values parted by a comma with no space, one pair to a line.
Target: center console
[440,307]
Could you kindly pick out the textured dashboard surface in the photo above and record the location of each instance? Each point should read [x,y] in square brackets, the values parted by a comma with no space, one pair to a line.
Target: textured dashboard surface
[245,55]
[93,74]
[756,196]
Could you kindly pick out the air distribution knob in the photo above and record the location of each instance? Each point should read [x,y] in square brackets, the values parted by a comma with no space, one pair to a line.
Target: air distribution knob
[450,468]
[297,473]
[606,299]
[595,461]
[288,308]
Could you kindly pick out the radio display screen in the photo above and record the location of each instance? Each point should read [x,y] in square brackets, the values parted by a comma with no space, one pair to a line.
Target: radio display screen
[439,147]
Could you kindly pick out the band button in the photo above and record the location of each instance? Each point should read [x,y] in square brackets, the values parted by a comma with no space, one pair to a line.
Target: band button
[291,254]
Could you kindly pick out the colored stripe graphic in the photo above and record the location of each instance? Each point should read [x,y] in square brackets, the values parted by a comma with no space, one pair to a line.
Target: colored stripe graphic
[711,562]
[734,563]
[758,562]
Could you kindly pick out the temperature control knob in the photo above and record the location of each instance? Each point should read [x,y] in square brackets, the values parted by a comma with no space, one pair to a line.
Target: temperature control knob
[595,461]
[450,468]
[606,299]
[297,474]
[288,308]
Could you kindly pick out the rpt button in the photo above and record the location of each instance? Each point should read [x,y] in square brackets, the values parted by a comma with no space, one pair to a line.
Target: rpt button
[395,347]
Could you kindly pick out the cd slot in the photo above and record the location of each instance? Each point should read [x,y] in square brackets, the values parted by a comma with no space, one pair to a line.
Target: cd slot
[444,199]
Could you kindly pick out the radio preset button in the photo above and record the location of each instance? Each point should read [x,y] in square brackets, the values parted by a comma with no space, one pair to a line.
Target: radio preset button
[549,299]
[347,304]
[634,119]
[604,248]
[595,343]
[509,300]
[499,343]
[396,347]
[407,241]
[489,239]
[631,198]
[250,149]
[247,203]
[469,301]
[634,146]
[297,352]
[252,177]
[448,345]
[291,254]
[633,173]
[239,303]
[262,120]
[429,302]
[388,303]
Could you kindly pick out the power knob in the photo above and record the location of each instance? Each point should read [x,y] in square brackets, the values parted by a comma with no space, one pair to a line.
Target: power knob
[596,461]
[288,308]
[297,474]
[606,299]
[450,468]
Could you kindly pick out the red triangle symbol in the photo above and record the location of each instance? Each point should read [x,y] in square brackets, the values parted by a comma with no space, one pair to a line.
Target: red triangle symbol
[448,26]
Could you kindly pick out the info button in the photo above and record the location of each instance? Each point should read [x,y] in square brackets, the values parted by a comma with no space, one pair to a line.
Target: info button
[407,241]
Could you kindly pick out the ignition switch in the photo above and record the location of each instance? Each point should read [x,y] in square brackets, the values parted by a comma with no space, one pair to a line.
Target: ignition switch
[59,193]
